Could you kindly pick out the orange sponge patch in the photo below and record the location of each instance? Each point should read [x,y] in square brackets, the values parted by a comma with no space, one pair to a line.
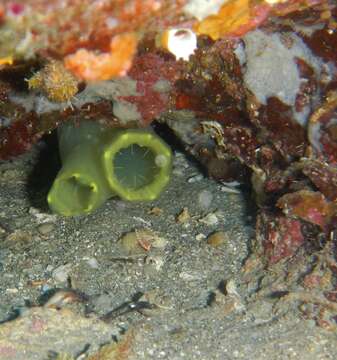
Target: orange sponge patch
[232,15]
[89,66]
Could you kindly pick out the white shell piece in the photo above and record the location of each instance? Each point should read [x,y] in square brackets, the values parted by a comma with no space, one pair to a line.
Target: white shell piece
[181,43]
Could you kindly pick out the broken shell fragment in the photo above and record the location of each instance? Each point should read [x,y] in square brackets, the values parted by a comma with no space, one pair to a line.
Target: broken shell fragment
[210,219]
[183,217]
[142,240]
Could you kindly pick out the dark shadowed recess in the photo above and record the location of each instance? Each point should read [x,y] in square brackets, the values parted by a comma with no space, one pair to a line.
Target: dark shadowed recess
[46,167]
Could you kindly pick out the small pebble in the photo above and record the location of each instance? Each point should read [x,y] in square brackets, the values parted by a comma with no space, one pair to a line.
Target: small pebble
[45,288]
[49,268]
[45,228]
[218,238]
[177,172]
[61,273]
[42,217]
[155,261]
[230,187]
[236,353]
[200,237]
[93,263]
[195,178]
[190,276]
[12,291]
